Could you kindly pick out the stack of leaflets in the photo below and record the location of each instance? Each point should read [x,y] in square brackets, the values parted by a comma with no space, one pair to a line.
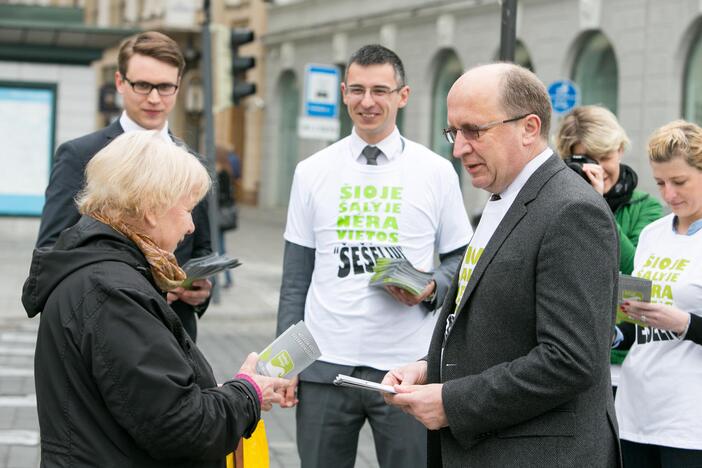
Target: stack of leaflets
[204,267]
[632,288]
[291,353]
[399,272]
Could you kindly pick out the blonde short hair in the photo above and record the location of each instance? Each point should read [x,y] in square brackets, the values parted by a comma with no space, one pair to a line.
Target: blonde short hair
[678,138]
[139,172]
[595,127]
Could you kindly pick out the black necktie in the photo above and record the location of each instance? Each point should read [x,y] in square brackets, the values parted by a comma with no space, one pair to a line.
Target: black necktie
[495,197]
[371,153]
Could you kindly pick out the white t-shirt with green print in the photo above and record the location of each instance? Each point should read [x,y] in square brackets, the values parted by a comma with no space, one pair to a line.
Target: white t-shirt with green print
[659,399]
[351,213]
[490,219]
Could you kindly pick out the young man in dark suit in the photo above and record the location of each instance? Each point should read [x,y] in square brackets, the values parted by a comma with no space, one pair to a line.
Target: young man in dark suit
[517,372]
[150,66]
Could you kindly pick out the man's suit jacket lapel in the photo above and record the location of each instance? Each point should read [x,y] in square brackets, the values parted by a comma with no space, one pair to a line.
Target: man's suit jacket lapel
[513,216]
[182,144]
[94,145]
[177,141]
[115,129]
[112,131]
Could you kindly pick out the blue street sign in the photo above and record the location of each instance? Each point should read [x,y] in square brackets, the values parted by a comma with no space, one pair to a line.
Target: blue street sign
[320,112]
[322,91]
[564,96]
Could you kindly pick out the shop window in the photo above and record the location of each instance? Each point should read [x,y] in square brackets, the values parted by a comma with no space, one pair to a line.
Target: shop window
[522,57]
[345,123]
[596,73]
[287,155]
[692,101]
[448,70]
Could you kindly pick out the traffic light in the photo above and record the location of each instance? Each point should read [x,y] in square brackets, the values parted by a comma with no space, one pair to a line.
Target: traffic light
[241,64]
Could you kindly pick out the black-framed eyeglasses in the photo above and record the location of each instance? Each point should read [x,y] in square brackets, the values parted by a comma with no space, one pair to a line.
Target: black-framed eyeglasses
[376,91]
[472,132]
[145,88]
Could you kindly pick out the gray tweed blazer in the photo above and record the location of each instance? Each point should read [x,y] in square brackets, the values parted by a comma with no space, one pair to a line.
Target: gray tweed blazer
[526,366]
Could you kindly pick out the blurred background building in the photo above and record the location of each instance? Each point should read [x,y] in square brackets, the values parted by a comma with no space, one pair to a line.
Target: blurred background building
[236,127]
[640,58]
[68,48]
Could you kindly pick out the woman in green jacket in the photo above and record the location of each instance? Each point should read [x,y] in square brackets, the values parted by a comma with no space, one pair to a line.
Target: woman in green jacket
[594,132]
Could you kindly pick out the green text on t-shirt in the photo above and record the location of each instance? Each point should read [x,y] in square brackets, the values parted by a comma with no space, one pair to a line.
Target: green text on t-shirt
[663,271]
[368,213]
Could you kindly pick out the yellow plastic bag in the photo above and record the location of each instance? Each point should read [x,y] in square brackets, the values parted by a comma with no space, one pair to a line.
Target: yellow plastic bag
[251,452]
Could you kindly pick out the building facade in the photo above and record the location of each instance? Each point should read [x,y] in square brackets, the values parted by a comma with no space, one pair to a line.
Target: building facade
[48,91]
[236,127]
[60,56]
[642,59]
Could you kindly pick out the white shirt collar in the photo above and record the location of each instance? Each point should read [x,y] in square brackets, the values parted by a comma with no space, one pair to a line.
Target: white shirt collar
[391,146]
[128,125]
[516,186]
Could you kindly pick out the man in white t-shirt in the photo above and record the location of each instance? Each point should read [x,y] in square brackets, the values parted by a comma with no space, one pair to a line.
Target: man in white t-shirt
[373,194]
[517,372]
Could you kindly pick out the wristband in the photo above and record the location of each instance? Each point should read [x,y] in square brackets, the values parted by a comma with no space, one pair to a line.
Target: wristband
[253,383]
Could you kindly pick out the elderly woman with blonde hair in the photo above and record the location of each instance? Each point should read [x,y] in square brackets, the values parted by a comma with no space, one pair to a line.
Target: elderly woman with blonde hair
[118,380]
[658,403]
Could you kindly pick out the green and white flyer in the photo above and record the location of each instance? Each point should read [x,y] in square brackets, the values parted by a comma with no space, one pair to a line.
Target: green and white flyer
[632,288]
[289,354]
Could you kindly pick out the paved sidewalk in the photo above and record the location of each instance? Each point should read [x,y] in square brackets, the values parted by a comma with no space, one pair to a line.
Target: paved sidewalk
[242,321]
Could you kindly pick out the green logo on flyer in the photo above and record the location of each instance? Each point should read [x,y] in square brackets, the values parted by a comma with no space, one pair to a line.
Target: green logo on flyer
[265,354]
[283,363]
[632,295]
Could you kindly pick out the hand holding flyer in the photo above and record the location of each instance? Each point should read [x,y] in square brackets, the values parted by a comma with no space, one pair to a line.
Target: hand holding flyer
[204,267]
[289,354]
[632,288]
[400,273]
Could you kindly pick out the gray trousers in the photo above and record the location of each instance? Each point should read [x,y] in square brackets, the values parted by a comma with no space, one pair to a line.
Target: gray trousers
[329,419]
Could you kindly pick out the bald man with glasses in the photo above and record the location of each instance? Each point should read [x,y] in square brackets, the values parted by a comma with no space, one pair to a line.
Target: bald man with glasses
[517,373]
[150,66]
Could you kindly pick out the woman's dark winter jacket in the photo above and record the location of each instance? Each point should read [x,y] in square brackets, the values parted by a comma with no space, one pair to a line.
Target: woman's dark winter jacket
[119,383]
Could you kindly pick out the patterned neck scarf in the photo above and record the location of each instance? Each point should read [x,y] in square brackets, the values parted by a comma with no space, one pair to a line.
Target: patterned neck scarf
[164,266]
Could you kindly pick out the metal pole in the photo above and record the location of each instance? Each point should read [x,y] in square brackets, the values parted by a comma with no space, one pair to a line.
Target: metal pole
[508,32]
[206,66]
